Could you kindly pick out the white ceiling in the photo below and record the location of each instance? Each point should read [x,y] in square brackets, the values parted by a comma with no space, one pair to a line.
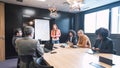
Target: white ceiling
[59,4]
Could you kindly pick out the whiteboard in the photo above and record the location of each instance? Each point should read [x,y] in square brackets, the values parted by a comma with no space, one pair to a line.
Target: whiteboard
[42,29]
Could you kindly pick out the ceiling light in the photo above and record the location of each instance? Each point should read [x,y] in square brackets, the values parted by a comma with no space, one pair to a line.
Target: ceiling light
[75,4]
[29,12]
[53,12]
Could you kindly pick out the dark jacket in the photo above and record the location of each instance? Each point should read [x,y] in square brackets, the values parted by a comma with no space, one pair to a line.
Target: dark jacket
[106,45]
[14,39]
[74,40]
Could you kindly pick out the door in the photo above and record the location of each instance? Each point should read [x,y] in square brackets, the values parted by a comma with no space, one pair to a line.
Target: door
[2,33]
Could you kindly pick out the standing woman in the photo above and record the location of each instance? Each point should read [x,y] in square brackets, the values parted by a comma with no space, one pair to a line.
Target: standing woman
[55,34]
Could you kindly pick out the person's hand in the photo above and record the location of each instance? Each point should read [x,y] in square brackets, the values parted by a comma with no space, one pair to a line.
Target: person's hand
[93,48]
[86,46]
[55,37]
[97,49]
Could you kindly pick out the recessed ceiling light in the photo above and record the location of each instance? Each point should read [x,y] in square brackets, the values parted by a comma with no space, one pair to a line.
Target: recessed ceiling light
[41,0]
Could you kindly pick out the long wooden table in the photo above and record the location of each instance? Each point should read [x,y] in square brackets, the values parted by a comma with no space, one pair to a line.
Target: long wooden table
[77,58]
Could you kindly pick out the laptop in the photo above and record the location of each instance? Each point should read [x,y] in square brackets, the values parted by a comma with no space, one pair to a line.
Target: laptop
[48,47]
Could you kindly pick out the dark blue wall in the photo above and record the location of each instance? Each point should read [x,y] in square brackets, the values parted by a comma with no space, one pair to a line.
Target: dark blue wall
[14,19]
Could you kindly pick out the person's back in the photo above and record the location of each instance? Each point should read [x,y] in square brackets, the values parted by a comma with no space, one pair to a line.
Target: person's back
[26,46]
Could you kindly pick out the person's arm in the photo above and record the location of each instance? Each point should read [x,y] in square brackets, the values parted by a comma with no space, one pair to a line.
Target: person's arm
[52,34]
[108,48]
[78,41]
[58,33]
[75,40]
[95,46]
[89,43]
[84,43]
[16,44]
[40,49]
[67,39]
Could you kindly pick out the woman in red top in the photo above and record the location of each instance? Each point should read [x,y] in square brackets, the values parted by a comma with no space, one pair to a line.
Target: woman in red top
[55,34]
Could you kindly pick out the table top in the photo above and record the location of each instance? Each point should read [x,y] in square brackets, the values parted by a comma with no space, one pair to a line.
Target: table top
[77,58]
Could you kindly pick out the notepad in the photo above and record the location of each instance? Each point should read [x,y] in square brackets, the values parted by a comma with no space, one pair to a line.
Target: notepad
[96,65]
[90,51]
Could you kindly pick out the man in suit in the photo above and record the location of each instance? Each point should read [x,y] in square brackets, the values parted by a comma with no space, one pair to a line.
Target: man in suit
[103,43]
[27,46]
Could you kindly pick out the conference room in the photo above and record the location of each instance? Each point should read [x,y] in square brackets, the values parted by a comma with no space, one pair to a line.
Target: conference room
[68,16]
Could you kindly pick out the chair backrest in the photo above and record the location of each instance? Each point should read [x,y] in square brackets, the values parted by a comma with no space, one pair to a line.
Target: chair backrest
[43,66]
[26,59]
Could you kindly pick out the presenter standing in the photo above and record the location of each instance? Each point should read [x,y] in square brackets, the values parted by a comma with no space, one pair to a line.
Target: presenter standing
[55,34]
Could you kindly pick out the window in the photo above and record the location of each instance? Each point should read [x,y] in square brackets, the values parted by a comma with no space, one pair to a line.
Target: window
[96,20]
[90,19]
[102,19]
[115,20]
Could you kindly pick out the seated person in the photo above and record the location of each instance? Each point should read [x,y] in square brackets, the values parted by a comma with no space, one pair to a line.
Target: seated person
[17,35]
[103,43]
[29,46]
[83,40]
[72,39]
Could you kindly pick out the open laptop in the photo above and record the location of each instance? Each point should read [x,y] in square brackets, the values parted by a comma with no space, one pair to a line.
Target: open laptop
[48,47]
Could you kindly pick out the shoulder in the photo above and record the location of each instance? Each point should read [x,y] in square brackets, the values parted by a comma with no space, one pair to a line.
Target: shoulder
[58,29]
[52,30]
[33,40]
[85,36]
[18,39]
[14,38]
[109,39]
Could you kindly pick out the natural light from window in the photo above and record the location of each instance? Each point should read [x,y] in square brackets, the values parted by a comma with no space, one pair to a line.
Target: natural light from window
[115,24]
[95,20]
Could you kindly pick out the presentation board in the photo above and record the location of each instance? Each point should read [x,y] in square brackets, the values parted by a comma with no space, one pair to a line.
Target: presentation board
[42,29]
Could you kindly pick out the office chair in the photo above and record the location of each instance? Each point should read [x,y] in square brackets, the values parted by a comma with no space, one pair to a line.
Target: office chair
[26,61]
[42,64]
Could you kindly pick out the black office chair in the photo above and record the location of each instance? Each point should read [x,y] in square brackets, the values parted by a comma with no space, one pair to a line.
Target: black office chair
[27,60]
[42,64]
